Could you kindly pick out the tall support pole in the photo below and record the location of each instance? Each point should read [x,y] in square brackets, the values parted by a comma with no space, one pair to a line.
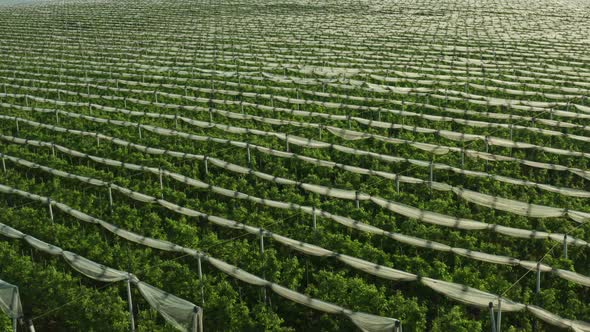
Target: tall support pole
[130,302]
[15,300]
[4,164]
[356,199]
[201,280]
[161,181]
[565,246]
[50,209]
[197,320]
[206,166]
[313,217]
[538,288]
[492,319]
[537,291]
[498,328]
[263,263]
[431,173]
[110,197]
[463,155]
[139,130]
[287,141]
[397,183]
[31,326]
[17,127]
[249,155]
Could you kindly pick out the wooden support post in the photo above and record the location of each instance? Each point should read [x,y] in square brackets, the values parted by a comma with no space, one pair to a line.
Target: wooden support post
[492,319]
[30,325]
[565,246]
[161,181]
[263,270]
[201,280]
[287,141]
[15,303]
[130,302]
[110,197]
[538,288]
[248,152]
[50,209]
[487,151]
[499,320]
[431,174]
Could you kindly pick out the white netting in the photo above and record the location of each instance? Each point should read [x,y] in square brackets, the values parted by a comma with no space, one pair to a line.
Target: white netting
[461,293]
[178,312]
[297,245]
[10,300]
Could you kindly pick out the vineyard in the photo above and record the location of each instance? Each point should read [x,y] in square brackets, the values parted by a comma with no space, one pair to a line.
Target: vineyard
[276,165]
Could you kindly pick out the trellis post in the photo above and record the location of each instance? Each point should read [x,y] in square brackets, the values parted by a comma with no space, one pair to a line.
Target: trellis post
[492,319]
[50,209]
[565,246]
[499,315]
[161,181]
[110,197]
[287,141]
[263,270]
[201,280]
[248,153]
[130,302]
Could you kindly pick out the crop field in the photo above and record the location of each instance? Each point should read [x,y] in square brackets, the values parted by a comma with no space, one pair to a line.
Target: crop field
[295,165]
